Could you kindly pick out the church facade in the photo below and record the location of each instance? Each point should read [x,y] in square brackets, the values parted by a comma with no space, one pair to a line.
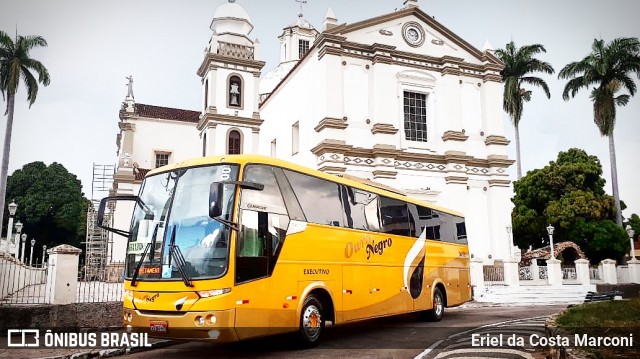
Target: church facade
[398,99]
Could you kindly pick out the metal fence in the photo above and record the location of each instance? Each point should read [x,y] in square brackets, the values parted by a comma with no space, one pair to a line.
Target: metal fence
[542,272]
[100,284]
[525,273]
[493,275]
[21,283]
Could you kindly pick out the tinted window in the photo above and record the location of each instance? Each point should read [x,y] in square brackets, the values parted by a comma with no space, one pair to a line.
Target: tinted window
[360,209]
[267,200]
[320,199]
[394,216]
[429,222]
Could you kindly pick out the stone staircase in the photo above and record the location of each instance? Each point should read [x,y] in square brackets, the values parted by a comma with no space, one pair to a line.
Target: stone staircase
[533,294]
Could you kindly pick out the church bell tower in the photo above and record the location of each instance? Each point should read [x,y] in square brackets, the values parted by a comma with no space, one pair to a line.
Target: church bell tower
[230,73]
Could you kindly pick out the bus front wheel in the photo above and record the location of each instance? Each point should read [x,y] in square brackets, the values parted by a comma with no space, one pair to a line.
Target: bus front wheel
[311,322]
[437,312]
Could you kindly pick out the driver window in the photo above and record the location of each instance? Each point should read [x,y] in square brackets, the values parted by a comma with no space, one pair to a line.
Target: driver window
[264,222]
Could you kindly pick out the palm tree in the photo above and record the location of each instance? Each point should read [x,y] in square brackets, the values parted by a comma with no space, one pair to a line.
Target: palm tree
[519,64]
[15,63]
[607,67]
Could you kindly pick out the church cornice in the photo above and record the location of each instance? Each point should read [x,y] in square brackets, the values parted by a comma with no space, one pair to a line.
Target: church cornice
[496,140]
[384,128]
[333,150]
[210,59]
[329,122]
[215,119]
[454,136]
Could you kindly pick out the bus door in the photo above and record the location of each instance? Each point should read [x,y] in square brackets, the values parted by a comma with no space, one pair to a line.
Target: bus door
[263,223]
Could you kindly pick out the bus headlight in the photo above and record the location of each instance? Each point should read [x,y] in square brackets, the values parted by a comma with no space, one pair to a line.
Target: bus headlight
[213,292]
[211,319]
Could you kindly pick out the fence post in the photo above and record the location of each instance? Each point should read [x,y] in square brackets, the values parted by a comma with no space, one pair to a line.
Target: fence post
[634,270]
[511,274]
[554,272]
[582,271]
[609,271]
[477,273]
[62,280]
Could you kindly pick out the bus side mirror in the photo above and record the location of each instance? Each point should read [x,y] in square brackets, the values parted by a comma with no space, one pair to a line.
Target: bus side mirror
[103,207]
[216,191]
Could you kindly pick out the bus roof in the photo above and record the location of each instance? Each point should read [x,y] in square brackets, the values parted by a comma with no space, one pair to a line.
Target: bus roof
[348,180]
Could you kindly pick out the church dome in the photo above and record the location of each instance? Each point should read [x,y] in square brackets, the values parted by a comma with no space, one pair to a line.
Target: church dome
[231,18]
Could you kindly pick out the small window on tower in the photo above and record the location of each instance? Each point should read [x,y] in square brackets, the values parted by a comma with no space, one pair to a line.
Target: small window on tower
[162,159]
[234,143]
[303,47]
[235,91]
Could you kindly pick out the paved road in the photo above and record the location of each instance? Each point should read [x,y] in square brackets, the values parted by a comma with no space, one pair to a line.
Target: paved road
[396,337]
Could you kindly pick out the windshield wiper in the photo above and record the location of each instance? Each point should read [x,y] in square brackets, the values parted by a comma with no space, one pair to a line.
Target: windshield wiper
[134,277]
[230,224]
[176,254]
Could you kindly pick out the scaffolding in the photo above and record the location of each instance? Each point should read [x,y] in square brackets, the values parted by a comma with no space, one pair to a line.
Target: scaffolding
[97,239]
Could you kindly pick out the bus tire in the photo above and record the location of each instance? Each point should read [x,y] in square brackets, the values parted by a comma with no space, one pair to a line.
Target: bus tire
[436,313]
[311,322]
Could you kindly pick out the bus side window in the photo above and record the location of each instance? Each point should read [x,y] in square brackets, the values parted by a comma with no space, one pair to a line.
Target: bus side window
[320,199]
[394,216]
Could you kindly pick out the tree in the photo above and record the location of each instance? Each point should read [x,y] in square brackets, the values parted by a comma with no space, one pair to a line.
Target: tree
[569,194]
[15,63]
[608,68]
[51,204]
[519,64]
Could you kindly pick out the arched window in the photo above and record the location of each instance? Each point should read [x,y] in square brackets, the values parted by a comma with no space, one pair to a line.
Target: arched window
[235,91]
[234,145]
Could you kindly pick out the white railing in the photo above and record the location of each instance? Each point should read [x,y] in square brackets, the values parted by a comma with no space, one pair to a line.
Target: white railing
[595,274]
[525,273]
[542,273]
[17,277]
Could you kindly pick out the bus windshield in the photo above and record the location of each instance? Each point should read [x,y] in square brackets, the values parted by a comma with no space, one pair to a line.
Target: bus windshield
[174,211]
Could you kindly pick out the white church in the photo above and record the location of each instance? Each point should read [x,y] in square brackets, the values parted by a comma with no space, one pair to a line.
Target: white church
[398,99]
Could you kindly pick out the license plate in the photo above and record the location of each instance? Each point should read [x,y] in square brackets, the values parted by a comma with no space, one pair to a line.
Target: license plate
[158,327]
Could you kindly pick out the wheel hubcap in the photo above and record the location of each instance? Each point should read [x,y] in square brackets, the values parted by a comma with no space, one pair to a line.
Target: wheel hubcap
[437,305]
[311,322]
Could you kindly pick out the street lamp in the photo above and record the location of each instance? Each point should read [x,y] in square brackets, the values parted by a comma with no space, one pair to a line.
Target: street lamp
[24,244]
[44,254]
[550,232]
[631,233]
[33,243]
[17,239]
[12,211]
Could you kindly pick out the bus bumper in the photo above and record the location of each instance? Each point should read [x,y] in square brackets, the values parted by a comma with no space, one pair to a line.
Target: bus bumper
[216,326]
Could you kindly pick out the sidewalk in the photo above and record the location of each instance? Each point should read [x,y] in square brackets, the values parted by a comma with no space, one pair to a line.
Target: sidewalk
[74,353]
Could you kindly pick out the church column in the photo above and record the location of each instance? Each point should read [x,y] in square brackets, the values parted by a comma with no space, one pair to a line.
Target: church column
[499,205]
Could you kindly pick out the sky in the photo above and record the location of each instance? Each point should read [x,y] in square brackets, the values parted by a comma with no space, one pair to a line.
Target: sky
[94,45]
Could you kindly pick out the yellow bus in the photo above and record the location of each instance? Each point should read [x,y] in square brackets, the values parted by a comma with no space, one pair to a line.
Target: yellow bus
[233,247]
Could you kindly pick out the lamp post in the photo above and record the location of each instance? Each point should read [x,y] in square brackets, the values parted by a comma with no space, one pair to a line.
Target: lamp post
[12,211]
[24,245]
[33,243]
[550,232]
[17,239]
[44,254]
[631,233]
[509,240]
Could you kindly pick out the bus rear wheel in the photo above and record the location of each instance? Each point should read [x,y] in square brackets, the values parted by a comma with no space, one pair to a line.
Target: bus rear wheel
[311,322]
[437,312]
